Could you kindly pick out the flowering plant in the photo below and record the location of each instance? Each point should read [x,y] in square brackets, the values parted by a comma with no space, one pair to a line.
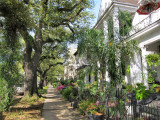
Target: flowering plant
[61,87]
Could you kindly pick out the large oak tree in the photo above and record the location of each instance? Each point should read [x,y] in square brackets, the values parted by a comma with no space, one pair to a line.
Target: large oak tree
[41,22]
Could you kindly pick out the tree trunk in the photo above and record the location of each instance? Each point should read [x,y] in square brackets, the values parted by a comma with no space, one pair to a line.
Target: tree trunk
[31,60]
[41,83]
[45,81]
[30,67]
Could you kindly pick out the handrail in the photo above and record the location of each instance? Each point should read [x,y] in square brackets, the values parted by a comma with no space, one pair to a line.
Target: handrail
[153,17]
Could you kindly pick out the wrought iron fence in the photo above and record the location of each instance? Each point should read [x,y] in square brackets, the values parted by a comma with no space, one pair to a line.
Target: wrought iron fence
[125,107]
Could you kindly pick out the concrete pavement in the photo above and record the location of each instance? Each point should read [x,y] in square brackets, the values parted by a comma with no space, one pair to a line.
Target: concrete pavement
[56,108]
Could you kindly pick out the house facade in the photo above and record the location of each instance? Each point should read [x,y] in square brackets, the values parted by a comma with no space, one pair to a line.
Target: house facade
[145,30]
[70,66]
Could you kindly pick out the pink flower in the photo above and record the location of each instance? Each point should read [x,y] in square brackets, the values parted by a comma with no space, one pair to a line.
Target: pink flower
[61,87]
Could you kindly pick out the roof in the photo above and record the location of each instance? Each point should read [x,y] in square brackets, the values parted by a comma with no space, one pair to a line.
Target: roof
[129,1]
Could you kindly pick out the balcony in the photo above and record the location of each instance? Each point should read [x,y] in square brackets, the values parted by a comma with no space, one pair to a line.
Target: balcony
[152,17]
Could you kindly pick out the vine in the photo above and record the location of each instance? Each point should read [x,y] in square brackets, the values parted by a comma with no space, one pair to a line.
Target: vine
[153,60]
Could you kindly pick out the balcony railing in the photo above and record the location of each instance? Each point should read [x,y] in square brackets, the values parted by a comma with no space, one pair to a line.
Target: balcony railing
[153,17]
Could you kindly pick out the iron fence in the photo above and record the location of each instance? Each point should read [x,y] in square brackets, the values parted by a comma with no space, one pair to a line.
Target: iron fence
[125,107]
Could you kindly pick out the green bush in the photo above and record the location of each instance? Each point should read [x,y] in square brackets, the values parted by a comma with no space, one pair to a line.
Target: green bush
[83,105]
[141,92]
[5,95]
[54,85]
[45,87]
[66,92]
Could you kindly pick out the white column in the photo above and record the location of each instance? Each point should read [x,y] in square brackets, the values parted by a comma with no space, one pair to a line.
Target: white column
[107,78]
[105,24]
[86,79]
[136,69]
[92,75]
[116,24]
[144,65]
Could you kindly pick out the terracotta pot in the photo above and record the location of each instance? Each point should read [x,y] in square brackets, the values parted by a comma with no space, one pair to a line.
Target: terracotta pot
[98,116]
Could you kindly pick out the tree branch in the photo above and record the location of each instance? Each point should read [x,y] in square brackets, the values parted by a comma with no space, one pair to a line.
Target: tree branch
[51,65]
[47,57]
[50,40]
[66,21]
[71,28]
[70,9]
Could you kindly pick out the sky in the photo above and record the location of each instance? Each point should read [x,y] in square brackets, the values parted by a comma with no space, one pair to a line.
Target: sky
[95,10]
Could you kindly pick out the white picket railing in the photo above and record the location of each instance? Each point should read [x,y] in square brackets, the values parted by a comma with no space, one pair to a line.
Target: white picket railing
[153,17]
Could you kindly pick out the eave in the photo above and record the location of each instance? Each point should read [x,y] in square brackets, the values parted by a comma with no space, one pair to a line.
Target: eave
[108,10]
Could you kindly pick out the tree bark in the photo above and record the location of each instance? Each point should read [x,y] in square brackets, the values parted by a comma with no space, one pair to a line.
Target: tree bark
[41,82]
[31,62]
[30,67]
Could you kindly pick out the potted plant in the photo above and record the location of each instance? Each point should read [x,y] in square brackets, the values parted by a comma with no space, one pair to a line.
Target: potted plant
[95,111]
[98,116]
[156,87]
[141,92]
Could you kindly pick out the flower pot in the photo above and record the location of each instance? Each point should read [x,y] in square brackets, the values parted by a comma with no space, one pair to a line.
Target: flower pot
[157,89]
[98,116]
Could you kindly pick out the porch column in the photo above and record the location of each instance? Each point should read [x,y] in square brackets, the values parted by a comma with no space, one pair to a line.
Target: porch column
[136,69]
[92,75]
[105,24]
[116,24]
[144,65]
[86,79]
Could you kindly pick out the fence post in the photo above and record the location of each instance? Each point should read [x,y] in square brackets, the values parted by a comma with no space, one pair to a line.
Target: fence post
[107,109]
[134,103]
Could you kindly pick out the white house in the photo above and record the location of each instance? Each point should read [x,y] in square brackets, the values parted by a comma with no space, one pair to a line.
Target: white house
[70,66]
[146,30]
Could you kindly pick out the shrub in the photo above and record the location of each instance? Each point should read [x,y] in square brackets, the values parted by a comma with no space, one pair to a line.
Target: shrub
[66,92]
[83,105]
[141,92]
[6,97]
[61,87]
[54,84]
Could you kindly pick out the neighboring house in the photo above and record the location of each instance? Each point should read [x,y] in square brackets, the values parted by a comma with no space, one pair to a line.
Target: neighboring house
[74,64]
[146,30]
[82,64]
[70,66]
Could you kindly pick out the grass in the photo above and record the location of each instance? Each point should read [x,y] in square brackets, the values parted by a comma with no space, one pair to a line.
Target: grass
[27,108]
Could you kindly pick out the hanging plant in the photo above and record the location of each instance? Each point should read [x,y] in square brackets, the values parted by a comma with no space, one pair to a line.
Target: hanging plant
[153,59]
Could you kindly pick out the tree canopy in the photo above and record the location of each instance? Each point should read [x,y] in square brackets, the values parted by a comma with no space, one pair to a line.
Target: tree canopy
[40,23]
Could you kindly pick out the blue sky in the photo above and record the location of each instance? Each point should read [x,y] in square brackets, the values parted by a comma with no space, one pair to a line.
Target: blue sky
[95,10]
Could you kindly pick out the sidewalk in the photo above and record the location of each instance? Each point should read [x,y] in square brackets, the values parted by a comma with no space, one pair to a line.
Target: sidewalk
[56,108]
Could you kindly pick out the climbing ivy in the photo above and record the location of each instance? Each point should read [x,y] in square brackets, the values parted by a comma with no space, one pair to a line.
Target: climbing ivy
[125,22]
[153,60]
